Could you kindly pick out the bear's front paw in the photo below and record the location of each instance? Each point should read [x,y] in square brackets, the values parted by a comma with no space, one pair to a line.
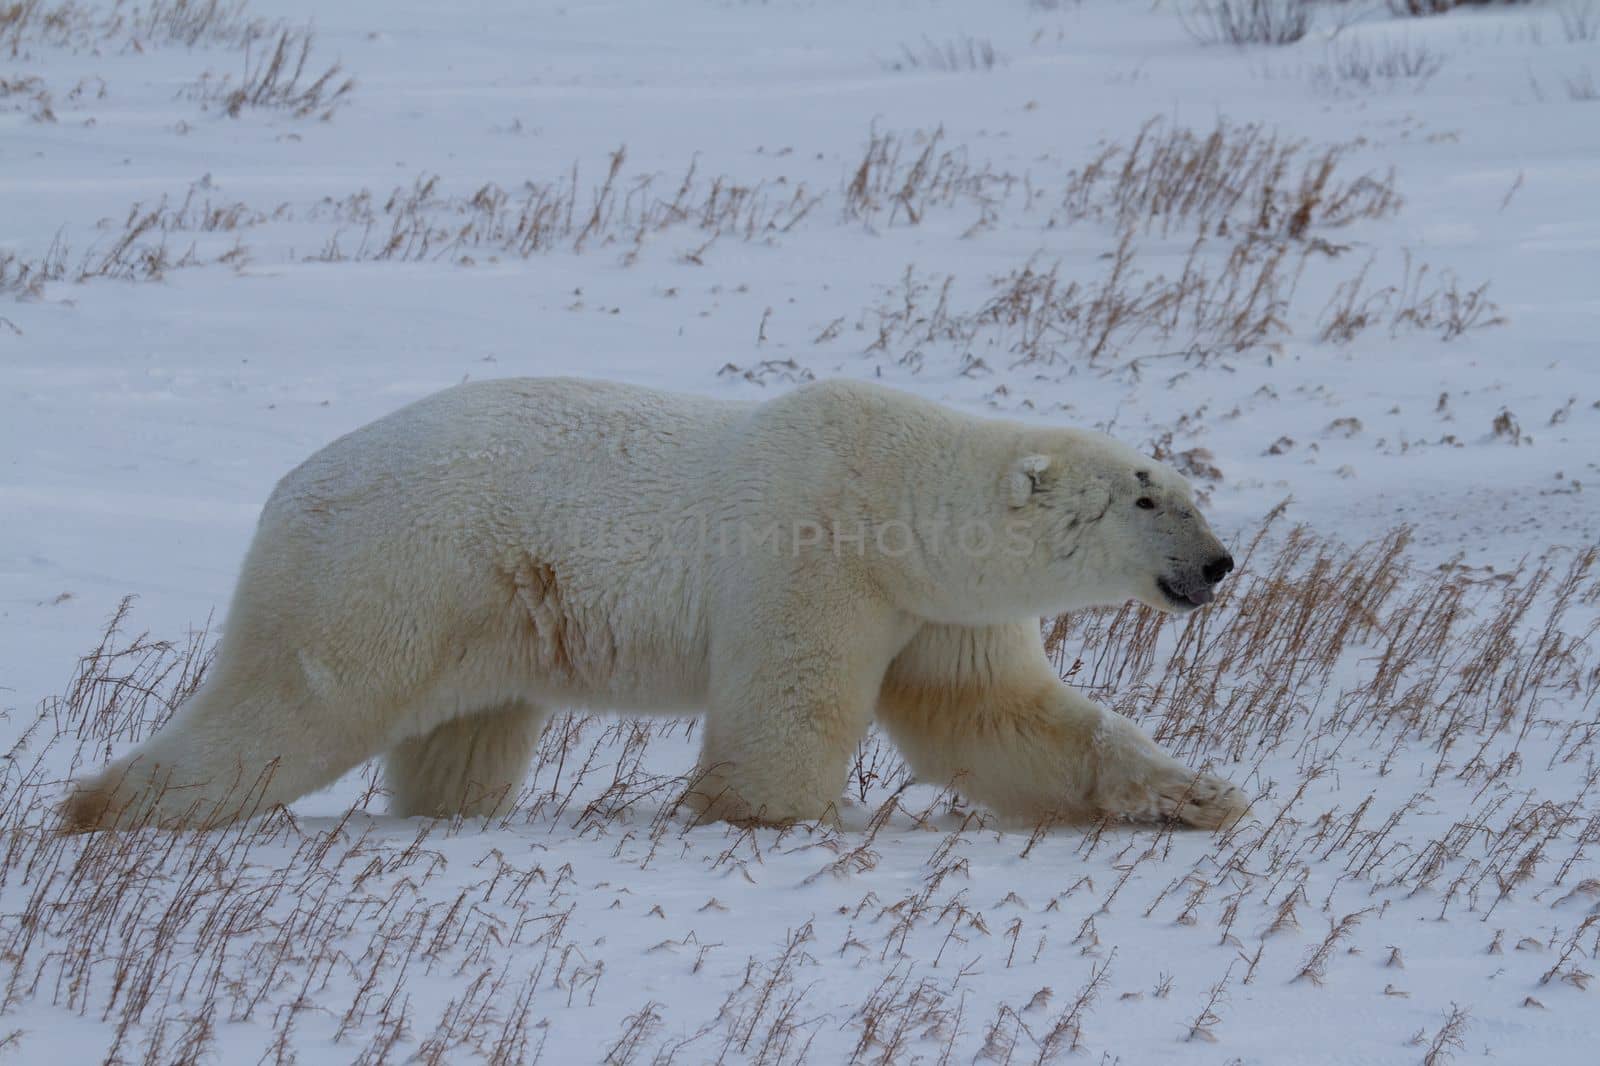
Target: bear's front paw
[1169,790]
[1201,800]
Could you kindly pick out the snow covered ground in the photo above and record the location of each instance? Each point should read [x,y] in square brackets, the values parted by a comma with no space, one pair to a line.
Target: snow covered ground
[1356,273]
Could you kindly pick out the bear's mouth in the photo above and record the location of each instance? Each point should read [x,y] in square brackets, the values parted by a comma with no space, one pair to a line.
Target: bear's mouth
[1188,601]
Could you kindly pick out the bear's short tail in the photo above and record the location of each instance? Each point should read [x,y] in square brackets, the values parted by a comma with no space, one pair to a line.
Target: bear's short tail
[87,808]
[115,797]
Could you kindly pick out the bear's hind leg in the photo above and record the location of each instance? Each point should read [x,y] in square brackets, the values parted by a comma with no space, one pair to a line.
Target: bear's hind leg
[472,765]
[248,740]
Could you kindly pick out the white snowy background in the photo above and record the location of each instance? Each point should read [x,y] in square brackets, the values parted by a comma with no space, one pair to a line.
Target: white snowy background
[209,268]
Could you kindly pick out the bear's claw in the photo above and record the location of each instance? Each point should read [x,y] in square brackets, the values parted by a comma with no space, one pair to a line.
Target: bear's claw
[1204,801]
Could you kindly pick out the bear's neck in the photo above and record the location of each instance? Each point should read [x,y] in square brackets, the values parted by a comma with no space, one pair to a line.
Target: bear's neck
[943,524]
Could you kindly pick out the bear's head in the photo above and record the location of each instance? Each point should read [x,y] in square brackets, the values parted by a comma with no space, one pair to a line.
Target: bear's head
[1106,524]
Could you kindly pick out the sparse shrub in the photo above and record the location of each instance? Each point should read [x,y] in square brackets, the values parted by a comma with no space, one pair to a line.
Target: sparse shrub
[1203,1026]
[1448,1040]
[28,94]
[1240,179]
[1037,315]
[955,54]
[1506,427]
[274,78]
[1580,20]
[784,371]
[141,250]
[1242,22]
[1423,299]
[1439,7]
[420,222]
[79,24]
[26,278]
[902,177]
[1203,309]
[1361,65]
[275,53]
[27,22]
[195,22]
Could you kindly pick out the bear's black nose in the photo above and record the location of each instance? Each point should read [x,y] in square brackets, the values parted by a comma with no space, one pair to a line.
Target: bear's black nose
[1219,568]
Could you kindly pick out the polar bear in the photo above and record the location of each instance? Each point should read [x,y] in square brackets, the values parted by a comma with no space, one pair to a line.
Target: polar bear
[428,587]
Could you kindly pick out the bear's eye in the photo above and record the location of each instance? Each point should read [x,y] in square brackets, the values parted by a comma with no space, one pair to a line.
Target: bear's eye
[1145,503]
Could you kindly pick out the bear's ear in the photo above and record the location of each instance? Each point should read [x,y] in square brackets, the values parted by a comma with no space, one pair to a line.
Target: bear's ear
[1026,477]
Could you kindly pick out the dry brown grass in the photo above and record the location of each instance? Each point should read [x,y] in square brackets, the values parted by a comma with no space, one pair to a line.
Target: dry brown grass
[24,23]
[1260,206]
[30,94]
[1580,20]
[947,56]
[1439,7]
[196,22]
[420,222]
[1208,307]
[621,212]
[1245,22]
[900,178]
[1232,179]
[274,54]
[275,78]
[149,241]
[1297,614]
[1313,652]
[1582,86]
[1387,63]
[1445,1043]
[1218,301]
[1423,299]
[123,26]
[1239,180]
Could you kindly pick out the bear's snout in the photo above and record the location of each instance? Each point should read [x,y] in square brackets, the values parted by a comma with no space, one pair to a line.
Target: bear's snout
[1195,585]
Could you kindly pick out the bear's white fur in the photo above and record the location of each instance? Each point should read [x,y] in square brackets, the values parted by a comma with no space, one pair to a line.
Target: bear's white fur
[430,585]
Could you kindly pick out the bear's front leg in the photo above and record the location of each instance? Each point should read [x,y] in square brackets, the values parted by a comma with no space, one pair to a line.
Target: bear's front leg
[795,668]
[982,707]
[1134,778]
